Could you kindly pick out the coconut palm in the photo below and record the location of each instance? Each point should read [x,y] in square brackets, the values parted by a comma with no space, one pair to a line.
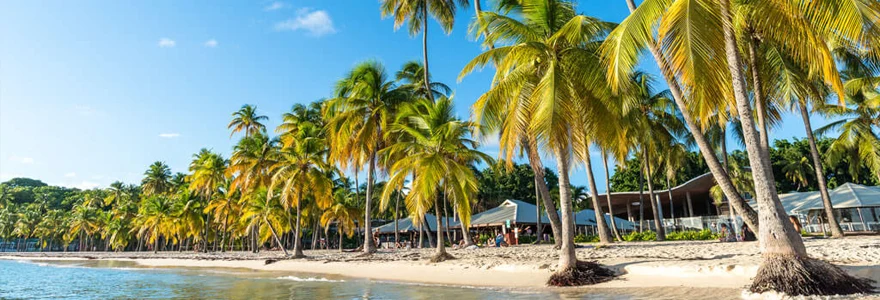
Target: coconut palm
[157,179]
[156,220]
[208,174]
[416,13]
[344,215]
[545,60]
[250,162]
[412,75]
[299,175]
[83,222]
[246,119]
[261,215]
[355,123]
[435,149]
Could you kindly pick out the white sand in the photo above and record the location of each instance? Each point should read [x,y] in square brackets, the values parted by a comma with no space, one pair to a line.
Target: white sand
[643,264]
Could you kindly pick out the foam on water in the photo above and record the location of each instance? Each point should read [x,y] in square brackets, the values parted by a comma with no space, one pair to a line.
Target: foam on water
[308,279]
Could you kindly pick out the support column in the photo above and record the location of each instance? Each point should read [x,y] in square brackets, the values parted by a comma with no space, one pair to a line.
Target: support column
[690,204]
[862,217]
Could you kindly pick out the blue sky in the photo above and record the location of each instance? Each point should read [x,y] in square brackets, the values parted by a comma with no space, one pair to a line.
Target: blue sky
[94,91]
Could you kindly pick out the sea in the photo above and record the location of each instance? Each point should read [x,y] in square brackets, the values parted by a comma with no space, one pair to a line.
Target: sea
[102,279]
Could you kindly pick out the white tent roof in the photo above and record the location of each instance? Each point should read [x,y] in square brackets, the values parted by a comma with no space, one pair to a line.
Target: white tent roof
[525,213]
[847,195]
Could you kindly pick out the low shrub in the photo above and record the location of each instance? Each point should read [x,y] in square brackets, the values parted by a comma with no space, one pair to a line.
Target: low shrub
[636,236]
[583,238]
[692,235]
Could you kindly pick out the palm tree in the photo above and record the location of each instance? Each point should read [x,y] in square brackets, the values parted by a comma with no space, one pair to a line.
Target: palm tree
[547,65]
[208,174]
[188,211]
[693,53]
[157,179]
[435,150]
[355,123]
[300,175]
[413,74]
[246,119]
[262,215]
[156,220]
[83,223]
[416,13]
[344,215]
[493,116]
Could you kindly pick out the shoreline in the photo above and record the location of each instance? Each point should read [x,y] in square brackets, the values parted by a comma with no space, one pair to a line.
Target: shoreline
[642,264]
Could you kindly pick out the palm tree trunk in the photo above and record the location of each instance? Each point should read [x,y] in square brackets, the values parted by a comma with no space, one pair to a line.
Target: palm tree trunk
[604,235]
[749,215]
[368,233]
[567,257]
[446,220]
[425,52]
[642,196]
[658,219]
[538,227]
[758,91]
[297,235]
[225,227]
[441,254]
[671,204]
[608,198]
[836,232]
[275,235]
[785,267]
[396,216]
[549,206]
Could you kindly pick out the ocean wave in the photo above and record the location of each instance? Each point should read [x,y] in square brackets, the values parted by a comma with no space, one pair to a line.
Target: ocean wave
[308,279]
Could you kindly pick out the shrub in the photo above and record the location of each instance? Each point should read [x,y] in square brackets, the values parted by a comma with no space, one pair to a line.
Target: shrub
[582,238]
[692,235]
[640,236]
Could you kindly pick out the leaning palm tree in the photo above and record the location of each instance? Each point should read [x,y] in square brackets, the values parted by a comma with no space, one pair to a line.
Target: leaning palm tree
[261,215]
[688,59]
[356,120]
[416,13]
[299,175]
[246,119]
[545,58]
[157,179]
[434,149]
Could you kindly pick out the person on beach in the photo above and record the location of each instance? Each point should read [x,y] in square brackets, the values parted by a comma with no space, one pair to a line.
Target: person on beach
[747,234]
[797,224]
[726,234]
[376,239]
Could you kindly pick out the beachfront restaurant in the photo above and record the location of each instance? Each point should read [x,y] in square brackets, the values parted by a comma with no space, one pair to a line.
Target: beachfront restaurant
[517,216]
[856,208]
[408,230]
[687,206]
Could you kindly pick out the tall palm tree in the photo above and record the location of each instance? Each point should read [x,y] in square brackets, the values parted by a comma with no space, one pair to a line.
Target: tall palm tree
[545,60]
[248,120]
[416,13]
[436,151]
[157,179]
[365,103]
[261,215]
[492,117]
[300,175]
[156,220]
[693,67]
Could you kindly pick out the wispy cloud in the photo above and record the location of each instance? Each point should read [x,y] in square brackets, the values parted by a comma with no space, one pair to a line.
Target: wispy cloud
[22,159]
[166,43]
[86,185]
[211,43]
[169,135]
[70,175]
[275,6]
[316,23]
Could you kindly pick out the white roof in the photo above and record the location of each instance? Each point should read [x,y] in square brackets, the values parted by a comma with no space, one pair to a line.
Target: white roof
[847,195]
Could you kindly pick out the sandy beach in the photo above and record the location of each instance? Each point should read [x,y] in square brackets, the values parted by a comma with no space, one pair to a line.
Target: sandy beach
[695,264]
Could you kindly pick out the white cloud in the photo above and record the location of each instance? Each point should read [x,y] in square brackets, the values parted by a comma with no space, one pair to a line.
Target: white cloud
[316,23]
[86,185]
[70,175]
[22,159]
[211,43]
[166,43]
[169,135]
[275,6]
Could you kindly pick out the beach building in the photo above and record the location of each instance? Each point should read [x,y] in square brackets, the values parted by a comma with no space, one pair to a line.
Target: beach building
[516,214]
[856,207]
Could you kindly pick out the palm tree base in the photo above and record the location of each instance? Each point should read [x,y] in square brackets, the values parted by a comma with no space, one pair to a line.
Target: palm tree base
[585,273]
[796,276]
[441,257]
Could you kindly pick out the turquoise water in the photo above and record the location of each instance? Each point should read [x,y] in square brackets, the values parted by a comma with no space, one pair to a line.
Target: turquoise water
[124,280]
